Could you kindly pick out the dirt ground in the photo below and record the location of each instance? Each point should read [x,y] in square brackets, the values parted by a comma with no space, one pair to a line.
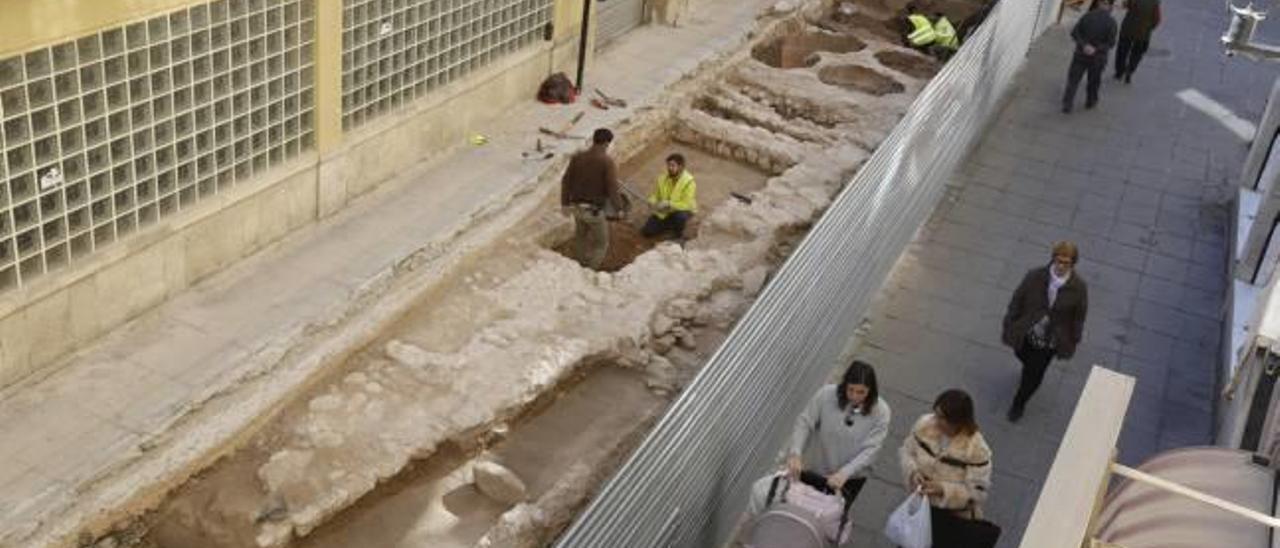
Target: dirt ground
[435,507]
[716,178]
[432,502]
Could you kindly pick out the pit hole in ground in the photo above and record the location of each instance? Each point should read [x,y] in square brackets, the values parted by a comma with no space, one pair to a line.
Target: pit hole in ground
[717,180]
[888,29]
[910,64]
[860,78]
[799,50]
[435,505]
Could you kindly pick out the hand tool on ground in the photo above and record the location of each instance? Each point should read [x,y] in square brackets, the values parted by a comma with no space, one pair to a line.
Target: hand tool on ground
[563,131]
[741,198]
[633,193]
[559,135]
[611,101]
[599,104]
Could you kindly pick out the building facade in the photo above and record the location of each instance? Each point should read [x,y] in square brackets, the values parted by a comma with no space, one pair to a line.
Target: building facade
[148,144]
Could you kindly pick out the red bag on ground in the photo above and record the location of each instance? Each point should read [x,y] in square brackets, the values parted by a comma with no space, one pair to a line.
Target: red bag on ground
[557,88]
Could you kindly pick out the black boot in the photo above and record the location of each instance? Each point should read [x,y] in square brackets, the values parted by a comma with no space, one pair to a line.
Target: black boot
[1015,413]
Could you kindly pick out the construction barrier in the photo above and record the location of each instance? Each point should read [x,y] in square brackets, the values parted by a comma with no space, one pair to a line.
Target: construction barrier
[687,483]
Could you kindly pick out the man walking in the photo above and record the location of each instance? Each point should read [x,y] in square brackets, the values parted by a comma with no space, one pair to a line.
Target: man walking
[589,183]
[1142,17]
[1094,34]
[1045,318]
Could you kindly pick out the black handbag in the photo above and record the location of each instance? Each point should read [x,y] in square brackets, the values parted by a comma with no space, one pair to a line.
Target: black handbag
[953,531]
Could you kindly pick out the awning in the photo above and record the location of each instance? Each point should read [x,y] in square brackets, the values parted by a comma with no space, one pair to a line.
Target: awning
[1136,515]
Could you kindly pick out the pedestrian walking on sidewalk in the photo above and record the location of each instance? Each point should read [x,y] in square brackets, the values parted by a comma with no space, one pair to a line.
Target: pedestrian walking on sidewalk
[946,457]
[1142,17]
[674,200]
[1045,319]
[589,184]
[1094,35]
[836,438]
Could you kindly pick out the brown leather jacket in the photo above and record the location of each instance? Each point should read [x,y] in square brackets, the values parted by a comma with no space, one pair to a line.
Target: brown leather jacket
[591,178]
[1030,302]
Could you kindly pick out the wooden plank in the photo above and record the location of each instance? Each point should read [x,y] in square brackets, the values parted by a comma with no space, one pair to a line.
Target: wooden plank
[1066,505]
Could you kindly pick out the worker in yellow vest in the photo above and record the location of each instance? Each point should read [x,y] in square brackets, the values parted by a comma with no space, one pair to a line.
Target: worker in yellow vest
[945,41]
[920,32]
[673,200]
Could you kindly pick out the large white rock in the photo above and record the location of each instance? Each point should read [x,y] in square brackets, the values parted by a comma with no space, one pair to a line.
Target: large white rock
[407,354]
[661,324]
[499,483]
[753,281]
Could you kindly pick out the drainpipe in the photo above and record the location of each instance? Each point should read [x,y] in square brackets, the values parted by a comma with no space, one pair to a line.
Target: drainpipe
[582,42]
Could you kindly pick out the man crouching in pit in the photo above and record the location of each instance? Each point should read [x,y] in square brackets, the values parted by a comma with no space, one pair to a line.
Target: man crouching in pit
[673,200]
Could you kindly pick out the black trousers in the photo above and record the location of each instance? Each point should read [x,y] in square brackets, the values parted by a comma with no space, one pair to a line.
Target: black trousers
[952,531]
[1035,361]
[851,488]
[674,223]
[1129,53]
[1080,65]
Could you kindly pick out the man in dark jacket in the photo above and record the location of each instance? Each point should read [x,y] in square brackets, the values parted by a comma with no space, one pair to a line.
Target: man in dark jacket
[1045,318]
[1142,17]
[1094,35]
[589,183]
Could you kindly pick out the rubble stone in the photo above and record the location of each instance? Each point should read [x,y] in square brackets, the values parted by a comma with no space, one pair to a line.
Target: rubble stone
[499,483]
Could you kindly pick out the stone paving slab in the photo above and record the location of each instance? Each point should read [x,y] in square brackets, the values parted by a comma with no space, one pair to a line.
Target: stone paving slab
[1142,184]
[114,404]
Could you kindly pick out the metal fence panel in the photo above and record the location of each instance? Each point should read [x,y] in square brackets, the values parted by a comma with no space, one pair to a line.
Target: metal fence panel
[689,480]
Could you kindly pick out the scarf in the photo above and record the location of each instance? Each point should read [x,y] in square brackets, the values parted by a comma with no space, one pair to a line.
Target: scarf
[1056,283]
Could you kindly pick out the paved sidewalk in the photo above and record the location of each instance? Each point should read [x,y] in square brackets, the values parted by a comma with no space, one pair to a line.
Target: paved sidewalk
[1142,184]
[100,429]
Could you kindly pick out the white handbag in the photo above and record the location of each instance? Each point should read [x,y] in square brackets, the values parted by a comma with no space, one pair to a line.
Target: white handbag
[909,525]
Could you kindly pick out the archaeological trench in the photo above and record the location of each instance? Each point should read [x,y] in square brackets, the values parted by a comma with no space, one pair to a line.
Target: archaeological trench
[521,357]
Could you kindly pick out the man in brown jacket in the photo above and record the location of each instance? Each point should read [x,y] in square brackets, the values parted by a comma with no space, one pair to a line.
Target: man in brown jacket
[1142,17]
[589,183]
[1045,318]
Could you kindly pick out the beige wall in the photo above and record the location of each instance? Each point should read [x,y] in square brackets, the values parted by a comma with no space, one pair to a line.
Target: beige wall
[42,322]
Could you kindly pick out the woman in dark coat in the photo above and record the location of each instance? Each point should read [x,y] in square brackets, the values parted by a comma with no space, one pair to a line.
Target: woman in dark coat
[1045,319]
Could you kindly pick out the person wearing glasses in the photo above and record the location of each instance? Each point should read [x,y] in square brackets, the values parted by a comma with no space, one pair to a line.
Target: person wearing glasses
[836,438]
[1045,319]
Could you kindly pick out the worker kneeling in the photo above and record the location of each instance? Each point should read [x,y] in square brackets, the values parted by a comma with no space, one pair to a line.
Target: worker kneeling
[673,200]
[937,38]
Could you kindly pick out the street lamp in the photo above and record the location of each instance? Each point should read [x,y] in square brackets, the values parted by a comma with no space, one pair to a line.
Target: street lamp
[1239,36]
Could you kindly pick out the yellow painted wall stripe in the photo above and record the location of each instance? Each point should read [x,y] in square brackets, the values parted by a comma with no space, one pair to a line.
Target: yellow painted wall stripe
[328,71]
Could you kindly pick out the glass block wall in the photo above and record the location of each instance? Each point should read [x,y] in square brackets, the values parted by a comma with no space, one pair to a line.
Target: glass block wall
[109,133]
[395,51]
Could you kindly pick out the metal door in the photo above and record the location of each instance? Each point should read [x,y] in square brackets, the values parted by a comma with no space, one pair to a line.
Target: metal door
[615,17]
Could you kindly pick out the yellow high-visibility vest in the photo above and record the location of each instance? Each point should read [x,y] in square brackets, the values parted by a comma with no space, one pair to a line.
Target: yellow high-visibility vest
[945,34]
[922,33]
[681,192]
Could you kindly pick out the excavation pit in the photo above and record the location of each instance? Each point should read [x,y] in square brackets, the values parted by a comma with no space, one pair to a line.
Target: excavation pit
[910,64]
[860,78]
[799,50]
[434,504]
[886,29]
[717,179]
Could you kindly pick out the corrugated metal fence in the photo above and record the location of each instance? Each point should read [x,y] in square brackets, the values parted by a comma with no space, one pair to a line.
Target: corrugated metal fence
[689,480]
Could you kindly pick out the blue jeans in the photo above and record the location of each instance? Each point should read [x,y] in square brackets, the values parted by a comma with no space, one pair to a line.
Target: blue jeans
[674,223]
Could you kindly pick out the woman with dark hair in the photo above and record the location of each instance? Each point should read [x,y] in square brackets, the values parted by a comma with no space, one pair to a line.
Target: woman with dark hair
[947,458]
[837,436]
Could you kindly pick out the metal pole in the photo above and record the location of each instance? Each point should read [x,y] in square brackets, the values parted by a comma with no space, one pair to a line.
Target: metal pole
[582,42]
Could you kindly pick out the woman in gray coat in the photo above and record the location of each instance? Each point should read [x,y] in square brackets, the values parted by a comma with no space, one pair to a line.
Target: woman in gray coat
[837,437]
[1045,319]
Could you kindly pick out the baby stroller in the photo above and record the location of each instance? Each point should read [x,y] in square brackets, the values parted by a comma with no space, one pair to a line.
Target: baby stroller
[804,514]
